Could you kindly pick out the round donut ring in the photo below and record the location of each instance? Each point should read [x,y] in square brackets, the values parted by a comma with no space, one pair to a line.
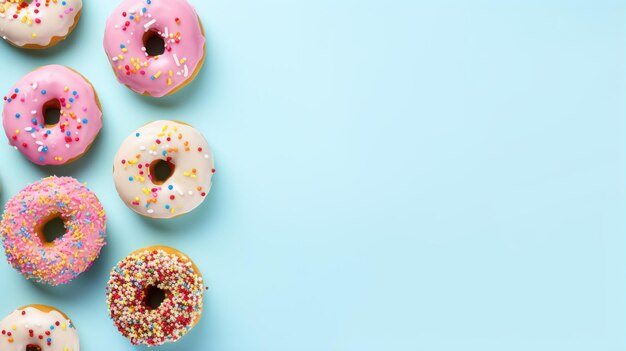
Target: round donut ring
[26,216]
[155,47]
[155,295]
[38,327]
[78,122]
[175,148]
[40,24]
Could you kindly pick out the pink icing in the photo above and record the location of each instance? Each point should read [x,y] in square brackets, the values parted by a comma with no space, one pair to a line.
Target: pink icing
[80,122]
[66,257]
[176,22]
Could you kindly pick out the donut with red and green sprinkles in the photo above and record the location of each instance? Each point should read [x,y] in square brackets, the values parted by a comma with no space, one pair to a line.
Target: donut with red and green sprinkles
[38,24]
[164,169]
[154,295]
[53,260]
[38,327]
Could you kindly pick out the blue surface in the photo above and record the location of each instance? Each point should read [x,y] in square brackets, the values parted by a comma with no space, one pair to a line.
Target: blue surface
[407,175]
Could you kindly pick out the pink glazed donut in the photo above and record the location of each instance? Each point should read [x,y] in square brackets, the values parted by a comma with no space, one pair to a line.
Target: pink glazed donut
[26,216]
[59,140]
[155,46]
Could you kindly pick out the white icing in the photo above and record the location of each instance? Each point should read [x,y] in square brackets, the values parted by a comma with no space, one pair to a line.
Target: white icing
[63,337]
[55,20]
[184,190]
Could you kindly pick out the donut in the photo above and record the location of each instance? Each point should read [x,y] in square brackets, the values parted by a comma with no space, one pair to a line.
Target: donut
[155,47]
[154,295]
[163,169]
[47,201]
[38,327]
[30,122]
[40,24]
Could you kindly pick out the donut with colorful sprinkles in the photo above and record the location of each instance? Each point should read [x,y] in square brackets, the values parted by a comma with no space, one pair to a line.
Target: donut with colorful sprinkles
[154,295]
[27,216]
[38,24]
[155,47]
[164,169]
[52,115]
[38,327]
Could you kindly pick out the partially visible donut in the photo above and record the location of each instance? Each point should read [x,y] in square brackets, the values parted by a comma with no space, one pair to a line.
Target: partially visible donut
[25,217]
[178,149]
[38,327]
[155,47]
[64,91]
[155,295]
[39,24]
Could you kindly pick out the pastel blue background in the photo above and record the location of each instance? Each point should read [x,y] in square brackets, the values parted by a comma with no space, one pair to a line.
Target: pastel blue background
[391,175]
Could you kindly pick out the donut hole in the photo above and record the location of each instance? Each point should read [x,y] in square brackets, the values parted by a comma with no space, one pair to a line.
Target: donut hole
[154,43]
[51,228]
[51,111]
[153,297]
[161,171]
[33,347]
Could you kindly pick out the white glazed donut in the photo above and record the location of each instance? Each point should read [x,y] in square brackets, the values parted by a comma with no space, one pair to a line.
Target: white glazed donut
[163,169]
[40,24]
[38,327]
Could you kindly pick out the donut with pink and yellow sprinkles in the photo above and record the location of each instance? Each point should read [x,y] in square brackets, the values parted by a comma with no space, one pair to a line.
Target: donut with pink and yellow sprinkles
[26,216]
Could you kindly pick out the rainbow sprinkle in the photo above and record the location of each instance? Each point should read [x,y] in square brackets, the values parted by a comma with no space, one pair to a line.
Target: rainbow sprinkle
[171,142]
